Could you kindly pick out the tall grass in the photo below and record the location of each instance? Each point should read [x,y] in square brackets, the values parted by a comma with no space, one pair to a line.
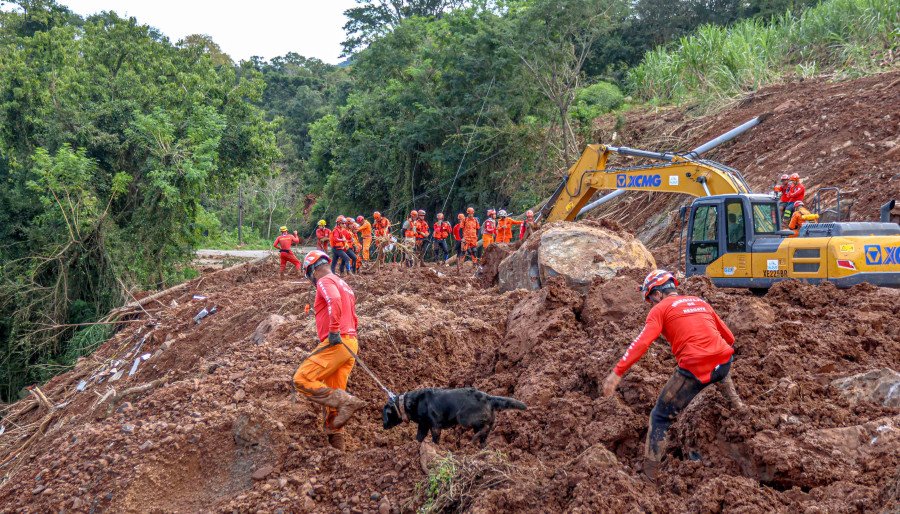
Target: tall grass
[848,37]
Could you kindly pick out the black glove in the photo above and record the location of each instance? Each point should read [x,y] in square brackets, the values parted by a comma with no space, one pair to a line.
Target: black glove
[334,338]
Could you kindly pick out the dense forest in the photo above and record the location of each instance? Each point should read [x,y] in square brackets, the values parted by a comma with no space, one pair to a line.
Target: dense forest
[122,151]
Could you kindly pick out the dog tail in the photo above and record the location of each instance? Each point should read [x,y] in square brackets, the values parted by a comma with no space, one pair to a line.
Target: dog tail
[503,403]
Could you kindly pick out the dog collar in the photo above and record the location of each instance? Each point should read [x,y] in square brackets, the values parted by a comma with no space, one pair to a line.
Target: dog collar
[400,403]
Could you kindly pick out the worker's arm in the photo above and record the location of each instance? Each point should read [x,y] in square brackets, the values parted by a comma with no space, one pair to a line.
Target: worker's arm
[652,330]
[724,331]
[332,296]
[275,244]
[295,238]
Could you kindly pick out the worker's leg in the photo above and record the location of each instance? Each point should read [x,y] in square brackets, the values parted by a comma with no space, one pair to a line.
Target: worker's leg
[314,375]
[337,380]
[351,255]
[486,240]
[284,260]
[293,260]
[367,244]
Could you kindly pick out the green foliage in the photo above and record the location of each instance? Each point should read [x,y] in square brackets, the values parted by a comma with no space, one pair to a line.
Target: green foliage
[595,100]
[848,36]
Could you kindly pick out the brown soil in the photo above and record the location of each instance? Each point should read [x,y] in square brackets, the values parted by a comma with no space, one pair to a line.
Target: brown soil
[834,134]
[210,422]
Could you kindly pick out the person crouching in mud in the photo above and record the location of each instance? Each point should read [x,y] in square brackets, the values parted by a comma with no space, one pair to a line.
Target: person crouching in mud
[702,345]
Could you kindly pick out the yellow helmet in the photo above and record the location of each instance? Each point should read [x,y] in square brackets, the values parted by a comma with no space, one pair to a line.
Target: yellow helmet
[322,223]
[283,228]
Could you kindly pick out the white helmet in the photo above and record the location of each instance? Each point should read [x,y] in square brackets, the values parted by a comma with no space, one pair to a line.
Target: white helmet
[502,213]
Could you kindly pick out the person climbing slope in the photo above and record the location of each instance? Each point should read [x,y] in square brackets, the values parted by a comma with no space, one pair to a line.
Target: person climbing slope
[702,346]
[323,375]
[283,242]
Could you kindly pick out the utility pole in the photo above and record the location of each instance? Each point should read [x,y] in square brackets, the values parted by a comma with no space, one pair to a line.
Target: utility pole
[240,216]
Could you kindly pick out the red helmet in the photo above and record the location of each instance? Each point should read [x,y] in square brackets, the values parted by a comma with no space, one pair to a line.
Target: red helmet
[529,214]
[360,219]
[656,279]
[798,203]
[312,259]
[340,219]
[460,216]
[470,211]
[376,215]
[785,177]
[440,215]
[491,212]
[414,213]
[795,176]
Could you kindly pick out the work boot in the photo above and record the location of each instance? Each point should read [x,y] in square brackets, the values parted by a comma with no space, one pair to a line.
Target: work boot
[726,386]
[337,441]
[346,404]
[651,469]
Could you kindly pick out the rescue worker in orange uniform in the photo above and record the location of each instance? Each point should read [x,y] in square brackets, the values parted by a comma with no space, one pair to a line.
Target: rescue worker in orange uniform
[470,228]
[422,232]
[530,226]
[800,216]
[784,190]
[441,233]
[798,191]
[339,245]
[489,229]
[323,236]
[457,233]
[355,246]
[410,231]
[504,227]
[365,232]
[702,346]
[283,243]
[382,235]
[323,375]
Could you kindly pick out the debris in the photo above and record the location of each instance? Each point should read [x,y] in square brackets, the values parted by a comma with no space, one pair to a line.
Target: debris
[134,366]
[128,428]
[263,472]
[198,297]
[81,385]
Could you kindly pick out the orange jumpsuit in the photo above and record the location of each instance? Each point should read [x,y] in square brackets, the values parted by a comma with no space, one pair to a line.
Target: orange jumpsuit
[382,227]
[801,215]
[283,243]
[489,232]
[330,365]
[323,238]
[365,231]
[470,228]
[504,229]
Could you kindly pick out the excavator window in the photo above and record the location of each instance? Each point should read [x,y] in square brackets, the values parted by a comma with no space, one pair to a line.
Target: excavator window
[737,236]
[765,218]
[705,239]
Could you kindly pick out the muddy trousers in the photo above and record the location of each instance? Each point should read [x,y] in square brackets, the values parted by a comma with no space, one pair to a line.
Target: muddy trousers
[324,373]
[354,261]
[440,249]
[678,392]
[339,260]
[366,245]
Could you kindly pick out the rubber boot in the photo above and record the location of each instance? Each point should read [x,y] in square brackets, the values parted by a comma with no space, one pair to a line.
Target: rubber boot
[346,404]
[726,386]
[337,441]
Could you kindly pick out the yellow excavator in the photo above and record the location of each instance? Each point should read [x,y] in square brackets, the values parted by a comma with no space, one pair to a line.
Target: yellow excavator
[733,235]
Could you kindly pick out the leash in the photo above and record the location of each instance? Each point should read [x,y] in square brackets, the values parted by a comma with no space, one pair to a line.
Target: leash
[365,368]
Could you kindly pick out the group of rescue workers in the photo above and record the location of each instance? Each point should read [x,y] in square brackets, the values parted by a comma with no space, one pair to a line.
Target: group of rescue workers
[349,242]
[791,193]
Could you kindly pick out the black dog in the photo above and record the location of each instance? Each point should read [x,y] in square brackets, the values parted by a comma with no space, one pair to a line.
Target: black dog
[436,409]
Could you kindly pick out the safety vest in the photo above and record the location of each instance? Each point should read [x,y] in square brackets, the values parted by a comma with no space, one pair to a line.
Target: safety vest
[441,230]
[411,226]
[422,228]
[489,227]
[381,226]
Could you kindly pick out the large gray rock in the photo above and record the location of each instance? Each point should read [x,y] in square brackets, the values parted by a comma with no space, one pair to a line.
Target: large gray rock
[876,386]
[578,252]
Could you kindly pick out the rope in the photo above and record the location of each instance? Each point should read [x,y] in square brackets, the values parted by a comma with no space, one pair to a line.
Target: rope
[390,394]
[469,144]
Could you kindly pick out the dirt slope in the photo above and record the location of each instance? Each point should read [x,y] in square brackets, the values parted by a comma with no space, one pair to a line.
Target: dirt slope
[218,427]
[834,134]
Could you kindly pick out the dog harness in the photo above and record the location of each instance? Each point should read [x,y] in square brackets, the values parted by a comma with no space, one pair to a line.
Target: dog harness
[400,404]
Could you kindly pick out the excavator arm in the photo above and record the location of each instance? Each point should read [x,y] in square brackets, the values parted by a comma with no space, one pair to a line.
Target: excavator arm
[672,173]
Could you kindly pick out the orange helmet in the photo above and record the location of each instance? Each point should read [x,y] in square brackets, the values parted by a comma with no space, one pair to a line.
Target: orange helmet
[311,261]
[795,176]
[656,279]
[785,177]
[376,215]
[529,214]
[460,216]
[470,211]
[340,219]
[414,213]
[360,219]
[440,215]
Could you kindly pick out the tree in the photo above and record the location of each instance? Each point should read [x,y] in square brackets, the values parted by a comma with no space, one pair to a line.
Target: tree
[372,19]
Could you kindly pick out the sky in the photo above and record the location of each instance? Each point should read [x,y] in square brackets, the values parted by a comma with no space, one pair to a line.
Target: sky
[267,28]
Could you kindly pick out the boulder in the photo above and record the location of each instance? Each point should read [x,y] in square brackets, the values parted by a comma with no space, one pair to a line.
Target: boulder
[265,327]
[880,386]
[579,252]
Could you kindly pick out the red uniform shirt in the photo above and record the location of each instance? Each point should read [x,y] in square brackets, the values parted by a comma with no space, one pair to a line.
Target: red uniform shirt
[339,238]
[700,340]
[284,241]
[421,229]
[490,226]
[441,230]
[381,226]
[797,193]
[457,231]
[335,307]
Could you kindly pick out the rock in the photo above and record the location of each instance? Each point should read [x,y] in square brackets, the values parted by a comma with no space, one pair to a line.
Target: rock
[427,456]
[39,489]
[146,445]
[262,472]
[384,507]
[128,428]
[786,106]
[265,327]
[309,504]
[578,252]
[125,407]
[878,386]
[375,497]
[751,315]
[239,395]
[77,503]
